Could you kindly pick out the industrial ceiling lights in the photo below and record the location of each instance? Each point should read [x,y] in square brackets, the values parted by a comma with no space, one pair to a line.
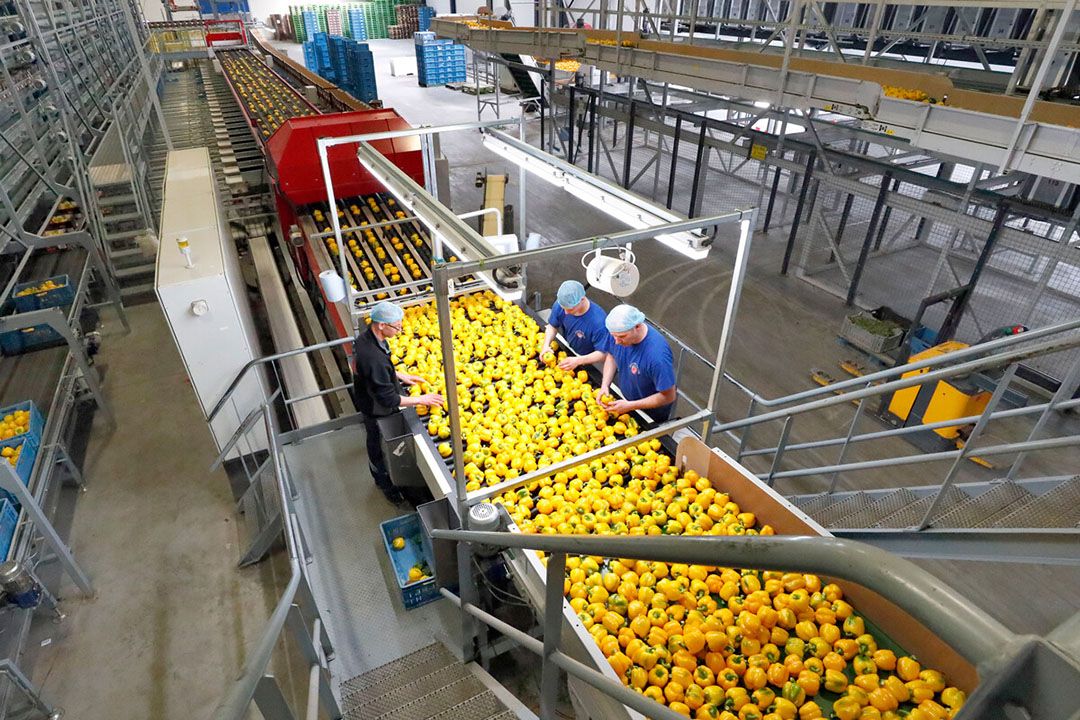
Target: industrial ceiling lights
[636,212]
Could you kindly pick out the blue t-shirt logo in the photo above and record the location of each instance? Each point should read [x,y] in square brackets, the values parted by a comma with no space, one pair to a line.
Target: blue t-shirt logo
[633,368]
[579,334]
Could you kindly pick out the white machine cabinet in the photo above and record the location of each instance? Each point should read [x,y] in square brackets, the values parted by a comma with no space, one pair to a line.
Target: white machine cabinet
[206,304]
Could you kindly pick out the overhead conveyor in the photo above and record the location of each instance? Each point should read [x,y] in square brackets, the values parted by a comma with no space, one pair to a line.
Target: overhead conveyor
[984,127]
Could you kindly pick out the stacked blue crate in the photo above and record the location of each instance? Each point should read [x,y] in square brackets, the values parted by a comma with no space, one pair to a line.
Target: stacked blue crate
[339,65]
[438,62]
[424,16]
[223,7]
[361,65]
[317,55]
[357,25]
[311,24]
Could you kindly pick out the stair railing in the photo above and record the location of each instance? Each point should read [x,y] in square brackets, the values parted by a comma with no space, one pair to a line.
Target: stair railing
[1005,352]
[997,653]
[295,609]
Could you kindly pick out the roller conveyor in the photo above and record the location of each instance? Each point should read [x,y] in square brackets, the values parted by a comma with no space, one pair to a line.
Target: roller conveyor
[266,99]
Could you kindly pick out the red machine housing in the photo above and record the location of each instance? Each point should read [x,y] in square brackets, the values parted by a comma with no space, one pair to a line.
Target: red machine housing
[297,177]
[225,33]
[294,156]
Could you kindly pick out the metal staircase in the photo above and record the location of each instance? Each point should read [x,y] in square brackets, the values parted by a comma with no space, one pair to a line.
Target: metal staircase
[429,683]
[998,504]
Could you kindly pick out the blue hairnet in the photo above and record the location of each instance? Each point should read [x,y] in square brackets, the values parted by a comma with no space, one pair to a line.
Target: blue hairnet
[624,318]
[571,293]
[386,312]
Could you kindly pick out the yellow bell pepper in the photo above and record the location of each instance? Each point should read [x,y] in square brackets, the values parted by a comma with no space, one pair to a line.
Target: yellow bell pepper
[846,709]
[867,644]
[860,695]
[953,698]
[793,692]
[885,660]
[934,679]
[883,700]
[810,711]
[785,708]
[908,668]
[863,665]
[707,712]
[639,678]
[835,681]
[809,681]
[897,687]
[919,691]
[870,713]
[620,664]
[869,683]
[854,626]
[935,710]
[763,697]
[694,697]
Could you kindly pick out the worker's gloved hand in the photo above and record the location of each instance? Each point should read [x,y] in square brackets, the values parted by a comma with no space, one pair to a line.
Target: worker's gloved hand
[431,400]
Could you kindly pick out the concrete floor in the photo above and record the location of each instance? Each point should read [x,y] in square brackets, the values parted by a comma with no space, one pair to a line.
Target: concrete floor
[173,616]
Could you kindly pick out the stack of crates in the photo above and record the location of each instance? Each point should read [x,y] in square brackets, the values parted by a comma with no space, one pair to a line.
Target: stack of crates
[223,7]
[361,72]
[317,56]
[438,62]
[357,27]
[296,11]
[310,20]
[408,22]
[424,15]
[333,22]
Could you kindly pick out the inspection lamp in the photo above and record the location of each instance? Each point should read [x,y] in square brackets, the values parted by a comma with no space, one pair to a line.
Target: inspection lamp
[626,207]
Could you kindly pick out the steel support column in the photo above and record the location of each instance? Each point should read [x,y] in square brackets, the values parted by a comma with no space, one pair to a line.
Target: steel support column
[808,175]
[864,253]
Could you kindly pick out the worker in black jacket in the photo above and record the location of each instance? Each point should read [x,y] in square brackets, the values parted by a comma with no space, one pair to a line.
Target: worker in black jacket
[377,387]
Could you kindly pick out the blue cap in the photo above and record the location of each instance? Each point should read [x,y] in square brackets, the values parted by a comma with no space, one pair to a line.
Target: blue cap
[386,312]
[624,318]
[571,293]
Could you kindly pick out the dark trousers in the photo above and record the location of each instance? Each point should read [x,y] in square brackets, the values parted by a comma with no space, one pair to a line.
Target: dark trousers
[376,459]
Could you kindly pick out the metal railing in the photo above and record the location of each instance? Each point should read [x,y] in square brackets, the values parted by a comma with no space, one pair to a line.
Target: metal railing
[295,609]
[984,642]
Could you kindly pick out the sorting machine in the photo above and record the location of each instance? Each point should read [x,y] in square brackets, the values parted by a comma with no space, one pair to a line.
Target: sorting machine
[386,254]
[389,255]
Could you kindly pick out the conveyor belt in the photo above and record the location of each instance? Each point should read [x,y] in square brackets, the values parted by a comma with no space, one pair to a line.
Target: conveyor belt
[266,99]
[379,258]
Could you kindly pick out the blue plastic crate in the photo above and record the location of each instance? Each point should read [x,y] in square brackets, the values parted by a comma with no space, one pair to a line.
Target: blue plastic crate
[9,519]
[24,466]
[17,342]
[37,420]
[407,527]
[63,295]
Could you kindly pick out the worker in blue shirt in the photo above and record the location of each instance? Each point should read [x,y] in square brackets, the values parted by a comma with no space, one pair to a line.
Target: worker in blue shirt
[645,365]
[581,322]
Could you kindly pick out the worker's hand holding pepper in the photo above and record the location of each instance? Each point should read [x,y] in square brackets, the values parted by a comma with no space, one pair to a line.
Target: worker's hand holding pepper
[618,407]
[569,363]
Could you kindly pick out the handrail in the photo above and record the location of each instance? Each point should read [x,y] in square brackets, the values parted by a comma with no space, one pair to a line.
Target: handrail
[237,701]
[265,359]
[942,361]
[868,389]
[974,635]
